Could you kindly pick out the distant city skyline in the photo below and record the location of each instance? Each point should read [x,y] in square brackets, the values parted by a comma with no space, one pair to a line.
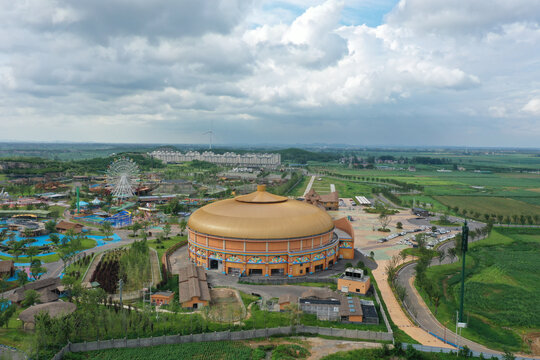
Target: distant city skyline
[365,73]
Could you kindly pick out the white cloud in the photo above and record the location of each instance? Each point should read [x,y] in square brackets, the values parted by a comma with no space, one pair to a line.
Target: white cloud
[176,65]
[533,106]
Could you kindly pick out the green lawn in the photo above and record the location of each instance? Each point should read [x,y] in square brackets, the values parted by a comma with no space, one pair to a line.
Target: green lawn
[166,244]
[501,289]
[227,350]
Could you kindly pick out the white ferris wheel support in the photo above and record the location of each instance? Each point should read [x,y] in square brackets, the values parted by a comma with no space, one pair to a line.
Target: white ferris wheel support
[123,176]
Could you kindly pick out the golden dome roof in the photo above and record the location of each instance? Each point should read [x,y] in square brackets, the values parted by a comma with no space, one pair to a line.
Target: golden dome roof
[260,215]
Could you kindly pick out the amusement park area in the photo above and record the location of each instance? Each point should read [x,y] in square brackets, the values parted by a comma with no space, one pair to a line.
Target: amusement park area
[132,247]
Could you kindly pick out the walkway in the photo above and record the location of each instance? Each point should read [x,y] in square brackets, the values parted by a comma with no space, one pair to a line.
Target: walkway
[396,312]
[309,185]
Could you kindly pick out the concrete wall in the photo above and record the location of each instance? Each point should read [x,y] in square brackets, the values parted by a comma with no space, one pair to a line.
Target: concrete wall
[222,336]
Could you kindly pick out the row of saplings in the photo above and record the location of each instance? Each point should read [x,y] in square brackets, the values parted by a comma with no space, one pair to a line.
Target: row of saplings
[117,264]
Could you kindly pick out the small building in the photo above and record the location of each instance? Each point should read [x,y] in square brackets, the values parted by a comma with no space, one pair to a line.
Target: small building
[7,268]
[64,226]
[354,280]
[331,306]
[162,298]
[47,288]
[54,309]
[193,291]
[327,201]
[420,212]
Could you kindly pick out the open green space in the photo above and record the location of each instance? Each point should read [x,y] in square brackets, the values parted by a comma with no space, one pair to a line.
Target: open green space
[501,289]
[386,353]
[226,350]
[490,205]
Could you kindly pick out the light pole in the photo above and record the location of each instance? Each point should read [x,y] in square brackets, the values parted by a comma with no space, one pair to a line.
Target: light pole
[464,248]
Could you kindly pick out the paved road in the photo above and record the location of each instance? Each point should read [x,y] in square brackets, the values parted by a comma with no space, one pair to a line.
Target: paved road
[416,307]
[310,184]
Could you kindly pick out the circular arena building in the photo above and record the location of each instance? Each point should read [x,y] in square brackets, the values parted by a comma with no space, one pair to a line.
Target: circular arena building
[265,234]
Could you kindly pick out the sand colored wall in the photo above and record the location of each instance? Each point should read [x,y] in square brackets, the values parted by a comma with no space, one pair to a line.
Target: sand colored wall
[195,300]
[356,318]
[362,286]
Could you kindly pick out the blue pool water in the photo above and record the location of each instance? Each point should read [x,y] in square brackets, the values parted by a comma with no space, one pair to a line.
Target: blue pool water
[44,240]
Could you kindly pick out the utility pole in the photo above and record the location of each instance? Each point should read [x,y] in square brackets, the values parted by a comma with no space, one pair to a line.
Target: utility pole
[78,207]
[464,248]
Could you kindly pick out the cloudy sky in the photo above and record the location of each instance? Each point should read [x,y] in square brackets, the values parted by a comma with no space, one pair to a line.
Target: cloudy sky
[361,72]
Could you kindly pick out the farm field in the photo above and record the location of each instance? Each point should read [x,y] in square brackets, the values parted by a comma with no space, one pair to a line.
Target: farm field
[226,350]
[501,290]
[490,205]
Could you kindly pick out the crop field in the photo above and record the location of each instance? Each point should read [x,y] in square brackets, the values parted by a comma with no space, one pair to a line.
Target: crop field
[219,350]
[490,205]
[501,289]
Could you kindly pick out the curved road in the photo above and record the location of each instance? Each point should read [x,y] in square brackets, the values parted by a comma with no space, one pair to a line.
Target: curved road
[418,310]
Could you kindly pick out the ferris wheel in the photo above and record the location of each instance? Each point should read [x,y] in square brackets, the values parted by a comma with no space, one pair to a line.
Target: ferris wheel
[123,176]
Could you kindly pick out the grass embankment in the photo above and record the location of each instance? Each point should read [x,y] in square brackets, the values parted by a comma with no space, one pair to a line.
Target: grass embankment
[387,354]
[501,289]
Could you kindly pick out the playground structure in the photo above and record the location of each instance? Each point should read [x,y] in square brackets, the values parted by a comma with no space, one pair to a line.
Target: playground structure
[123,177]
[118,220]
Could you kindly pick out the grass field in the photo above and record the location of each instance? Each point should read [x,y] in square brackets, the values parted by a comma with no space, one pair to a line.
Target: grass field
[501,289]
[490,205]
[226,350]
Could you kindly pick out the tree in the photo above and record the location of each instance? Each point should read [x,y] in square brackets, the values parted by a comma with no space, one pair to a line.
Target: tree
[135,228]
[403,254]
[50,226]
[441,256]
[399,225]
[508,355]
[391,268]
[32,251]
[28,232]
[7,313]
[384,220]
[22,278]
[36,270]
[183,225]
[452,253]
[401,292]
[167,230]
[68,250]
[31,297]
[107,229]
[55,239]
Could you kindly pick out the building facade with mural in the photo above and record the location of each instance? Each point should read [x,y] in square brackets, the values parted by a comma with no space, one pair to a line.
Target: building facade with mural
[267,235]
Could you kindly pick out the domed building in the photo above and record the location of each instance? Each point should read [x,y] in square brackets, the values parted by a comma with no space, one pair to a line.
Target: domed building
[265,234]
